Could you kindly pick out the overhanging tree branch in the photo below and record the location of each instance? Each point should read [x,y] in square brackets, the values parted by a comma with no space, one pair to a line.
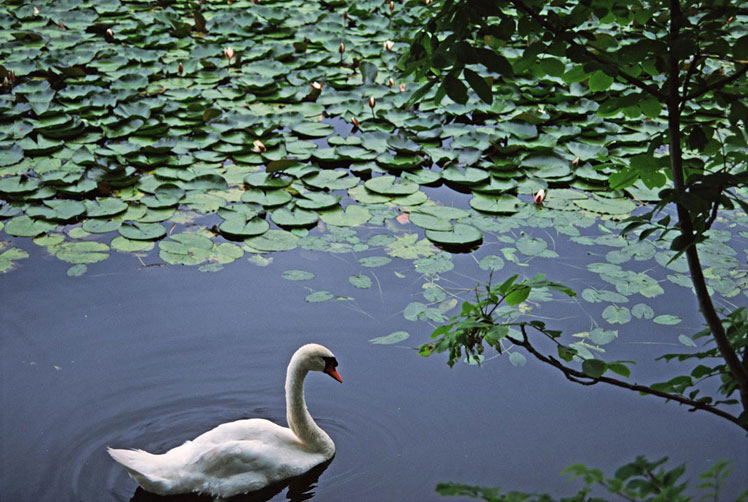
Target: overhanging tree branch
[580,377]
[563,32]
[716,85]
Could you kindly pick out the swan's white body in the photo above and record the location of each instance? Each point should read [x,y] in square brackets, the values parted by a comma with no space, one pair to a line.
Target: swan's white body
[246,455]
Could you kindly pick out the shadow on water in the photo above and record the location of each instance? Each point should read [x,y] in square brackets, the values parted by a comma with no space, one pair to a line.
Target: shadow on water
[300,488]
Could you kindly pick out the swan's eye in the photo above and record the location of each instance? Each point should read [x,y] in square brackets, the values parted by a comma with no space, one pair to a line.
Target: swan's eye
[330,362]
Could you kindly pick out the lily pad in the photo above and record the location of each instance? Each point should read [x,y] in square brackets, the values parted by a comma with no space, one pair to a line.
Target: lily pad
[460,235]
[396,337]
[142,231]
[353,216]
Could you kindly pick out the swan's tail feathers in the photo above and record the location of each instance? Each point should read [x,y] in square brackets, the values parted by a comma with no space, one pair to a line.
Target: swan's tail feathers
[149,470]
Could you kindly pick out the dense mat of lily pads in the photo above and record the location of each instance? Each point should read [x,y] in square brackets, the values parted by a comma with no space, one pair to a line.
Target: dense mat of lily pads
[199,134]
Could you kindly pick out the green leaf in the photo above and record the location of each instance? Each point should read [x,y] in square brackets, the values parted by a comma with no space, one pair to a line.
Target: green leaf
[517,359]
[353,216]
[599,81]
[518,295]
[9,257]
[616,315]
[667,319]
[319,296]
[686,340]
[460,235]
[396,337]
[455,89]
[297,275]
[479,85]
[374,261]
[360,281]
[82,252]
[593,368]
[142,231]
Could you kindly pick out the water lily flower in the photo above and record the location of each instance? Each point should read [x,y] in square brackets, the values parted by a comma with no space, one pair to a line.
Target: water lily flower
[402,87]
[228,52]
[341,49]
[539,197]
[372,103]
[259,146]
[36,11]
[392,6]
[391,82]
[180,69]
[575,162]
[388,45]
[355,122]
[317,86]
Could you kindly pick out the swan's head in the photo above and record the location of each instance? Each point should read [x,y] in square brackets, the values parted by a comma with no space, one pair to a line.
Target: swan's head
[315,357]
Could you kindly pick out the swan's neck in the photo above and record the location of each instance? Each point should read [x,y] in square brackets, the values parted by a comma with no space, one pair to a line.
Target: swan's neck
[297,414]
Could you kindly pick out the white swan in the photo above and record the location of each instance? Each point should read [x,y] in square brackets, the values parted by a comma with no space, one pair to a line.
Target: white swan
[246,455]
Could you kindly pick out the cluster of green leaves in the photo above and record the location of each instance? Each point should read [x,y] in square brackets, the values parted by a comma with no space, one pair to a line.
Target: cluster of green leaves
[711,364]
[118,137]
[495,320]
[477,323]
[623,58]
[640,480]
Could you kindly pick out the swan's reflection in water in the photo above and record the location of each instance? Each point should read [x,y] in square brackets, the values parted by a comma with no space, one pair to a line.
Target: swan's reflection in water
[300,488]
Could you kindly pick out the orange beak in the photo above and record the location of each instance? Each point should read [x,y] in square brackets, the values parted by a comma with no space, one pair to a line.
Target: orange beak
[333,373]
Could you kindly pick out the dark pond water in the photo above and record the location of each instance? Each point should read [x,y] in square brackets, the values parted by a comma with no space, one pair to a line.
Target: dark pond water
[150,357]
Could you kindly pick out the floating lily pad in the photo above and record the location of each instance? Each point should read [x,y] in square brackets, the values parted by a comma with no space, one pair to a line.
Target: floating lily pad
[241,227]
[142,231]
[396,337]
[294,217]
[360,281]
[460,235]
[24,226]
[273,240]
[10,257]
[388,185]
[353,216]
[502,204]
[297,275]
[82,252]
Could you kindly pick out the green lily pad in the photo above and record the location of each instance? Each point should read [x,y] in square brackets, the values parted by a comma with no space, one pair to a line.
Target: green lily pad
[460,235]
[273,240]
[142,231]
[82,252]
[10,257]
[241,227]
[360,281]
[124,245]
[396,337]
[297,275]
[430,222]
[103,207]
[59,210]
[24,226]
[353,216]
[387,185]
[294,218]
[101,226]
[319,296]
[502,204]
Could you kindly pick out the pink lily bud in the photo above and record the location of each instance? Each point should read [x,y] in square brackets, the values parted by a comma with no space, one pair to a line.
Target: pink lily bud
[539,197]
[229,53]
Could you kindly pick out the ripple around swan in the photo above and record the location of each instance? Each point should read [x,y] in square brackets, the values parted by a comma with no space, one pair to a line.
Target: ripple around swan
[363,468]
